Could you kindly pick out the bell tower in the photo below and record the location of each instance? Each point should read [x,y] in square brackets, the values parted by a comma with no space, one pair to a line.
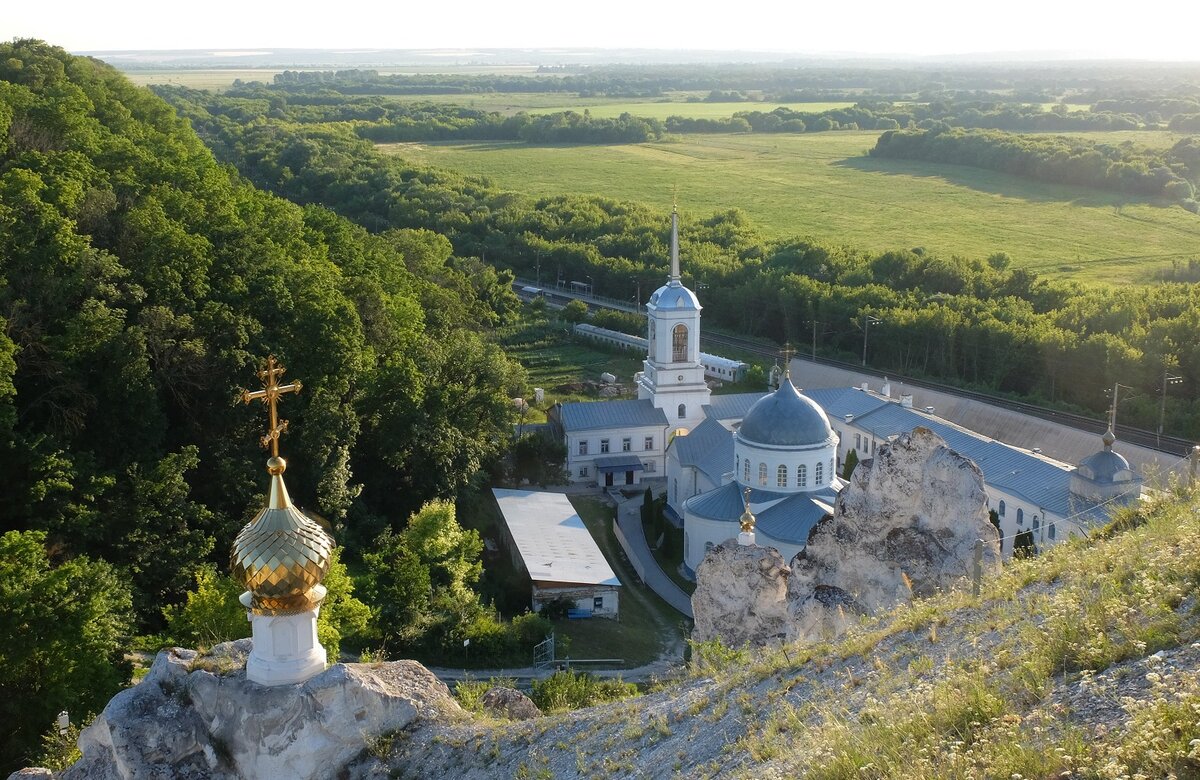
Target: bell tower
[673,377]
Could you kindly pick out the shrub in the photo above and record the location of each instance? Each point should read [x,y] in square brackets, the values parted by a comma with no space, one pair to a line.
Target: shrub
[570,690]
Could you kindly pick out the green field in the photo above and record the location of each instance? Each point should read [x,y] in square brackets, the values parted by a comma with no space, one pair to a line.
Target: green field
[663,109]
[823,185]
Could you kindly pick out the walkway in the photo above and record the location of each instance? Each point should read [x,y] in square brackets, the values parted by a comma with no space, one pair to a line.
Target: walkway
[630,517]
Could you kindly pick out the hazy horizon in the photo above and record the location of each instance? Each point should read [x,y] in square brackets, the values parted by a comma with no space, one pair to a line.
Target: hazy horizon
[1160,30]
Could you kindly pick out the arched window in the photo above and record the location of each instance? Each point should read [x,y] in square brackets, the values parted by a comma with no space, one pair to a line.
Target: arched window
[1036,524]
[682,411]
[819,474]
[746,472]
[1050,530]
[762,474]
[679,344]
[802,476]
[781,476]
[1020,516]
[1001,512]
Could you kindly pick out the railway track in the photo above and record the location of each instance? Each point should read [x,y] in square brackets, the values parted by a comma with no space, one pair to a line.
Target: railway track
[1172,445]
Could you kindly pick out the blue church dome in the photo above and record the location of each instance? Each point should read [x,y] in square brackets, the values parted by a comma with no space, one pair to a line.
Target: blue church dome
[1103,466]
[673,295]
[785,418]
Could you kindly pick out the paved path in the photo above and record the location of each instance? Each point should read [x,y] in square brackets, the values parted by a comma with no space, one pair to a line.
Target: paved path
[629,516]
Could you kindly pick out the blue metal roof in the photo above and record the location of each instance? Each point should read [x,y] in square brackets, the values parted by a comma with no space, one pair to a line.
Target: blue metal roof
[725,503]
[731,407]
[841,401]
[618,463]
[1003,467]
[708,448]
[792,519]
[588,415]
[785,418]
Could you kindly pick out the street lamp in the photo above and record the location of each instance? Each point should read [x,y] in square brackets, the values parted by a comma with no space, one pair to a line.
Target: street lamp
[637,298]
[591,287]
[868,321]
[1168,379]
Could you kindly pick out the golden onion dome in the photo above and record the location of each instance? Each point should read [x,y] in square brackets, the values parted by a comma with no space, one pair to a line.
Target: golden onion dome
[281,556]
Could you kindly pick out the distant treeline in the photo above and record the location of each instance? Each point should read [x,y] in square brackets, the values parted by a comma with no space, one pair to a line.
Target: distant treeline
[795,81]
[981,322]
[1166,173]
[386,119]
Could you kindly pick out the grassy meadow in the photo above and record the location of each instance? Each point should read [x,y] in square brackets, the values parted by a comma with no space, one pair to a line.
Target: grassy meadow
[825,186]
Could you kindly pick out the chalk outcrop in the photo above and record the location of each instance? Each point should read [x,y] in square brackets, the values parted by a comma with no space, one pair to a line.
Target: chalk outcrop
[504,702]
[197,716]
[906,525]
[741,595]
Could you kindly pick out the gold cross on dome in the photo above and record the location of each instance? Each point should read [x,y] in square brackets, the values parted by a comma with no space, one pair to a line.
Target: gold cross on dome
[269,395]
[788,353]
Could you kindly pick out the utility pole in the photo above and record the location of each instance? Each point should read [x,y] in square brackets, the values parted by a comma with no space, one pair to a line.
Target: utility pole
[539,268]
[814,337]
[1112,415]
[1168,379]
[868,321]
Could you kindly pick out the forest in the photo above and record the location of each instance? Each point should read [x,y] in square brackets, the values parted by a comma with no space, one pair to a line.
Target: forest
[1172,173]
[143,283]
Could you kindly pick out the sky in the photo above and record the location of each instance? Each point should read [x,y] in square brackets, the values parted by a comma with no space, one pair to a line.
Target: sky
[1152,29]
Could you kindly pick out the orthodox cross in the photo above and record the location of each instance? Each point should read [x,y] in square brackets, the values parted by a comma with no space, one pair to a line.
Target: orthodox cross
[269,395]
[788,353]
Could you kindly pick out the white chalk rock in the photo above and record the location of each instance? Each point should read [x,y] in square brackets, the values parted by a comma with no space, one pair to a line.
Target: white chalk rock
[741,595]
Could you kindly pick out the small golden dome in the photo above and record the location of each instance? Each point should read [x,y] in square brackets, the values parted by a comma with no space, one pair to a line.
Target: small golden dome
[747,519]
[281,556]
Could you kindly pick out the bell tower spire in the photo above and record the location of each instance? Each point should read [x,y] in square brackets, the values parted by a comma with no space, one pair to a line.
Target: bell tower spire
[675,243]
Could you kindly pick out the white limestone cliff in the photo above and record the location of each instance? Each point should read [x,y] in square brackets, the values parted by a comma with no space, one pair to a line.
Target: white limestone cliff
[198,716]
[906,525]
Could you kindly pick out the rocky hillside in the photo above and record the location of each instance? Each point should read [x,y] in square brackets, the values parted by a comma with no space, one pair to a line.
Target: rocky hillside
[1080,663]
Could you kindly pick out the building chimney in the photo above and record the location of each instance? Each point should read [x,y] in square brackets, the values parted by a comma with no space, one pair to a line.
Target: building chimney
[906,401]
[886,390]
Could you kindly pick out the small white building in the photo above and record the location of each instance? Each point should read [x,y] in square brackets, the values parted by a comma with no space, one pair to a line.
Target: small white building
[549,542]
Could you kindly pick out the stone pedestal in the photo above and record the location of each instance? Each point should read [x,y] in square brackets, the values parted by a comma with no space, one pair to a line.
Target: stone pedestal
[286,649]
[746,538]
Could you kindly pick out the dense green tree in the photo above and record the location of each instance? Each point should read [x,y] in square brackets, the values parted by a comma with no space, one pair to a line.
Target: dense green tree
[62,626]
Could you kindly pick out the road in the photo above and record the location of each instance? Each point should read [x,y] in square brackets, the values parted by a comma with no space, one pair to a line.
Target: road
[629,516]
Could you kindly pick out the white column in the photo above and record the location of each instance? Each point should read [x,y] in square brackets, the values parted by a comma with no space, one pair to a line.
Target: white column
[286,649]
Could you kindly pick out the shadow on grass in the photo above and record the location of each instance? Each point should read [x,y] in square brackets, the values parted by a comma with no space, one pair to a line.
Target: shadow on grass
[995,183]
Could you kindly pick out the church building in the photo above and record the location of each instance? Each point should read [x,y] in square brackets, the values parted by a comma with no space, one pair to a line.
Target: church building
[617,442]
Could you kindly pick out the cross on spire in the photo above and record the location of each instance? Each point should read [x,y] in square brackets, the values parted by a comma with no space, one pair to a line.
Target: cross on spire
[269,395]
[787,353]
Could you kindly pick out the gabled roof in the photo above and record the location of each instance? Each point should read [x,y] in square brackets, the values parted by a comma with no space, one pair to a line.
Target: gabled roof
[708,448]
[731,407]
[551,538]
[589,415]
[840,401]
[1006,468]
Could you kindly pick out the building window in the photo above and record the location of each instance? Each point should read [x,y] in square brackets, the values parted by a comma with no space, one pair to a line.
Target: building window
[1020,516]
[603,446]
[1036,524]
[781,476]
[873,443]
[648,444]
[649,467]
[746,473]
[626,444]
[819,474]
[1050,530]
[675,490]
[857,442]
[679,344]
[682,411]
[583,446]
[802,476]
[762,474]
[583,471]
[1001,512]
[738,466]
[708,546]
